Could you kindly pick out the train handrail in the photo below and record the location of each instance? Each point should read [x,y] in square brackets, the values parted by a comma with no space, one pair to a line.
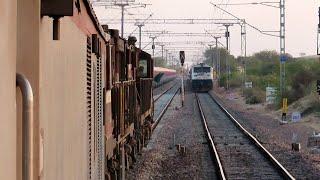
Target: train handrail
[27,126]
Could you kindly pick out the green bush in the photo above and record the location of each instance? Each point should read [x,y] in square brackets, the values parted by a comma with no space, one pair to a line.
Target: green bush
[223,80]
[254,96]
[236,80]
[235,83]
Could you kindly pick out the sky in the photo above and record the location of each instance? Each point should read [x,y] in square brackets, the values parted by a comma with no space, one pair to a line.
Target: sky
[301,24]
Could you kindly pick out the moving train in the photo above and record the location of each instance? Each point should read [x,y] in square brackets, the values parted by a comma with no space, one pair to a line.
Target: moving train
[76,99]
[167,72]
[201,76]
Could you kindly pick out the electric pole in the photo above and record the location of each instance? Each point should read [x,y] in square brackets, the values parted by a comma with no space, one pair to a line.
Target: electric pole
[211,53]
[217,58]
[140,25]
[123,4]
[318,35]
[153,46]
[162,49]
[227,35]
[283,57]
[170,54]
[244,52]
[167,57]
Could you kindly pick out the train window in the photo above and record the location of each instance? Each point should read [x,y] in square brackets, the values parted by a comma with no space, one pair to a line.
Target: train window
[201,69]
[143,68]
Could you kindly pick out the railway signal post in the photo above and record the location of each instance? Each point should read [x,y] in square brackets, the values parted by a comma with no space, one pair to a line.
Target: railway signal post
[153,45]
[182,58]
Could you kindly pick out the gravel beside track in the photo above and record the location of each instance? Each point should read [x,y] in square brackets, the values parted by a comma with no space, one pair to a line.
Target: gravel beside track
[160,160]
[240,157]
[276,138]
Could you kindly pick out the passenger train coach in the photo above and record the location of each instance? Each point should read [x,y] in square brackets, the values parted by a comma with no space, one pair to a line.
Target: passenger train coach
[201,76]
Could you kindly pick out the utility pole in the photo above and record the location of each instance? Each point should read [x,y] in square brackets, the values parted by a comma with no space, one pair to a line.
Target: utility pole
[162,49]
[167,57]
[244,52]
[122,4]
[217,58]
[211,53]
[318,36]
[283,60]
[282,49]
[227,35]
[153,46]
[140,25]
[122,18]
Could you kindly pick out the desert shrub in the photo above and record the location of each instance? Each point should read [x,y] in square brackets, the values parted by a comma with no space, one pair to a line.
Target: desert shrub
[300,83]
[223,79]
[254,96]
[236,80]
[235,83]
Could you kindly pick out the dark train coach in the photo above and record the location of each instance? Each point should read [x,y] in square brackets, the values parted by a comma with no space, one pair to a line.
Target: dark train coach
[76,99]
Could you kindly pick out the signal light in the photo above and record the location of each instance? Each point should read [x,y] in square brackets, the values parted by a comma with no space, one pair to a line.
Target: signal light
[182,57]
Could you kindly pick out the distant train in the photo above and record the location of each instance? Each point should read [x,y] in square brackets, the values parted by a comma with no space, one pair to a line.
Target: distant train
[201,77]
[167,72]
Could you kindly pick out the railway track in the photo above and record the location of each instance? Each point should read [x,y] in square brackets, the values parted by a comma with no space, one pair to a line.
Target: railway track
[162,102]
[157,97]
[236,152]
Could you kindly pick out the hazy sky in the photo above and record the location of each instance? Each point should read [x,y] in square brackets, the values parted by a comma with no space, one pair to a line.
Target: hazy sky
[301,24]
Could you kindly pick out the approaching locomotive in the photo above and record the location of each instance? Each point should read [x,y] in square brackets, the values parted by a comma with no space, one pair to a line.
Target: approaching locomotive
[201,77]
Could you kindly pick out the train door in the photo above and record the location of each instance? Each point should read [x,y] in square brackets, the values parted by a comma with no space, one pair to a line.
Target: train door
[145,78]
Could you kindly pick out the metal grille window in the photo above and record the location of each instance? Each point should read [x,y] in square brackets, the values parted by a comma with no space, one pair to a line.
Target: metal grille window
[99,116]
[95,115]
[89,106]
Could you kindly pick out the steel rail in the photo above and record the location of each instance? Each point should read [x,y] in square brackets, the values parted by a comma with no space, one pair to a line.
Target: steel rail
[164,92]
[163,111]
[220,169]
[265,152]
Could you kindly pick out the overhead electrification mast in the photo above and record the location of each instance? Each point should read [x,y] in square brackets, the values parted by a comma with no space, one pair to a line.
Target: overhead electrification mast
[123,4]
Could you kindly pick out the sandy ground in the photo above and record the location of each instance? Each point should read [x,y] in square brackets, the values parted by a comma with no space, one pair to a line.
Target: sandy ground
[264,123]
[161,160]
